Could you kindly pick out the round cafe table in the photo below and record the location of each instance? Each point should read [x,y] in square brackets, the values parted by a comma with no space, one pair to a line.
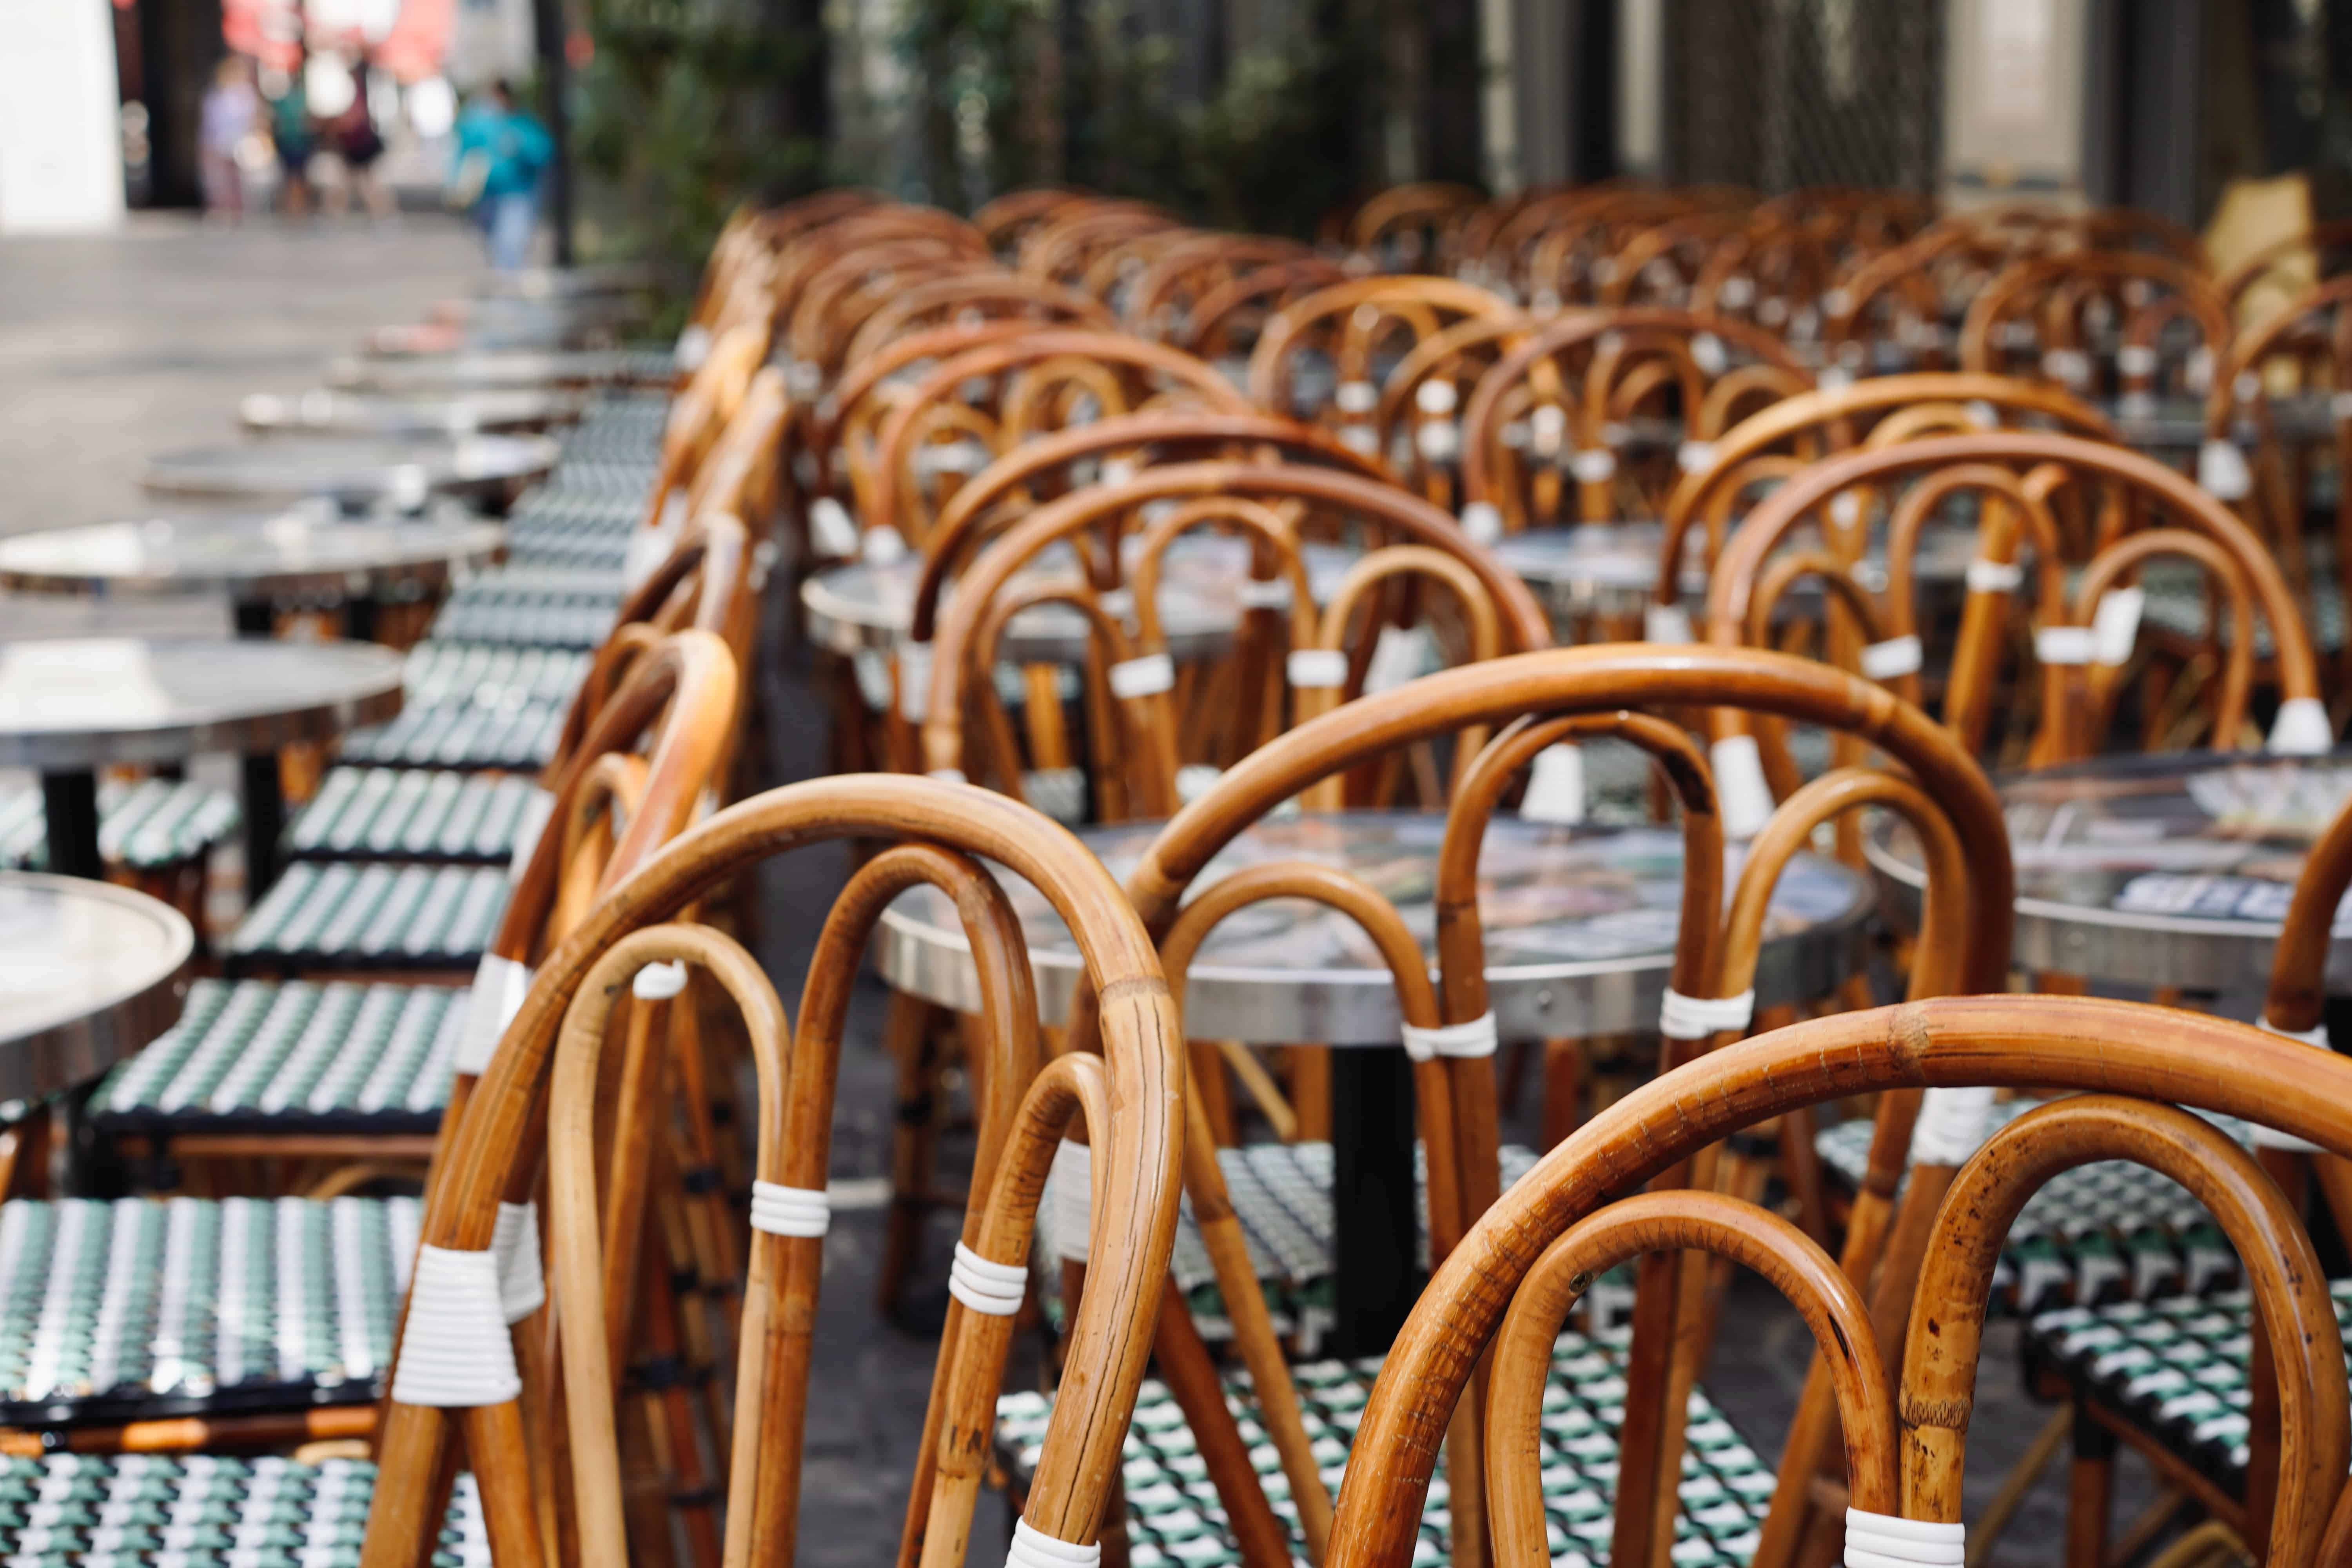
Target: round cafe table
[2173,869]
[1612,568]
[356,472]
[322,411]
[73,705]
[471,369]
[567,282]
[88,974]
[862,607]
[304,553]
[1580,926]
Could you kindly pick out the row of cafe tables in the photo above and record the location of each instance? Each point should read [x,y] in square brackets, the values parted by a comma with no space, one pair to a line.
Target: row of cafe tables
[381,490]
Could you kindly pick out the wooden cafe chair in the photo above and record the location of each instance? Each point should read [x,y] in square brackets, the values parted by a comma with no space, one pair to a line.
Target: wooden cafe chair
[1405,228]
[1226,320]
[1353,325]
[1163,298]
[458,1368]
[1575,391]
[1990,464]
[966,297]
[2124,1054]
[2058,312]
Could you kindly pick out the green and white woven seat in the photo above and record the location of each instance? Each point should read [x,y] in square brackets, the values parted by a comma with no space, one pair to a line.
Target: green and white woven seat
[261,1056]
[2110,1231]
[567,528]
[138,1308]
[2176,1367]
[146,1511]
[2176,603]
[1281,1193]
[419,813]
[377,914]
[1174,1519]
[535,605]
[144,824]
[475,705]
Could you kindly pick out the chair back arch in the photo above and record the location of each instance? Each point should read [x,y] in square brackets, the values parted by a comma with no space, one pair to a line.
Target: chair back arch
[961,298]
[1162,298]
[1223,316]
[1392,511]
[1352,317]
[1132,1125]
[2046,298]
[2052,1041]
[1137,362]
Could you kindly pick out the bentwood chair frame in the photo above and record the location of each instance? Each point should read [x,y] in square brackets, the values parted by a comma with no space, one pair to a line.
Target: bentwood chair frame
[2075,1043]
[1360,311]
[1129,1012]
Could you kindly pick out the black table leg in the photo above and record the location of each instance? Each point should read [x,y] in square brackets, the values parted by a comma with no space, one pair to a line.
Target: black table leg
[70,802]
[360,617]
[255,618]
[1376,1275]
[264,822]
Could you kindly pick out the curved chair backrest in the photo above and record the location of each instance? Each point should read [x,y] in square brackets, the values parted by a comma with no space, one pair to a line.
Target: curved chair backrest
[1957,1042]
[1584,366]
[2276,263]
[1131,1099]
[1162,296]
[964,296]
[995,496]
[703,408]
[1825,420]
[1252,296]
[2048,297]
[1351,320]
[1395,513]
[1134,361]
[2004,462]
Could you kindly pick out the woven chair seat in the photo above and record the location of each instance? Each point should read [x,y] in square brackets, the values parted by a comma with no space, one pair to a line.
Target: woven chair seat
[415,813]
[2110,1231]
[136,1309]
[134,1510]
[2177,605]
[259,1055]
[1281,1193]
[146,824]
[2176,1367]
[378,914]
[475,705]
[1175,1520]
[536,606]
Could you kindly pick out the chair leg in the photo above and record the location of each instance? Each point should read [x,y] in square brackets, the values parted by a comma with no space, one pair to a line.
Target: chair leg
[909,1034]
[2090,1490]
[1563,1089]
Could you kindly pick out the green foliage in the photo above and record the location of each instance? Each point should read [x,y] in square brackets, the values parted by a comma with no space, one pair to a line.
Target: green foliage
[676,123]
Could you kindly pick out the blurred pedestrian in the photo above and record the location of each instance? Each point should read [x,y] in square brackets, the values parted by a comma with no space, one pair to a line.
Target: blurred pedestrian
[502,151]
[359,143]
[231,108]
[289,129]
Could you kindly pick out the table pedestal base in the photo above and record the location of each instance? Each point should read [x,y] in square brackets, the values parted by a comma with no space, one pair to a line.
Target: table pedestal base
[70,804]
[1375,1275]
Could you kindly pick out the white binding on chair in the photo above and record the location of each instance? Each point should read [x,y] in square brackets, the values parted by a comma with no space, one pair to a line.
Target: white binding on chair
[831,529]
[1554,791]
[1742,796]
[1320,668]
[1594,466]
[948,775]
[1695,457]
[914,681]
[514,1242]
[1147,676]
[2268,1137]
[1470,1040]
[1882,1541]
[2302,728]
[1951,1126]
[1032,1548]
[993,1289]
[2221,469]
[456,1353]
[1482,522]
[1895,657]
[1264,593]
[781,1210]
[1994,576]
[659,981]
[500,986]
[1681,1017]
[2116,621]
[1666,623]
[883,545]
[1072,1180]
[2066,644]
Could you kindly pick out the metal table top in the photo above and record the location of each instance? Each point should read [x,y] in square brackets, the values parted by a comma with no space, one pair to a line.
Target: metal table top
[2177,424]
[88,974]
[300,551]
[322,411]
[1614,567]
[567,282]
[862,606]
[77,703]
[479,368]
[1581,926]
[352,467]
[2173,869]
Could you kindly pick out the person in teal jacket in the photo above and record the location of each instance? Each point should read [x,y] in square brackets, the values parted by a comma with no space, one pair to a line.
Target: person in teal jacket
[502,152]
